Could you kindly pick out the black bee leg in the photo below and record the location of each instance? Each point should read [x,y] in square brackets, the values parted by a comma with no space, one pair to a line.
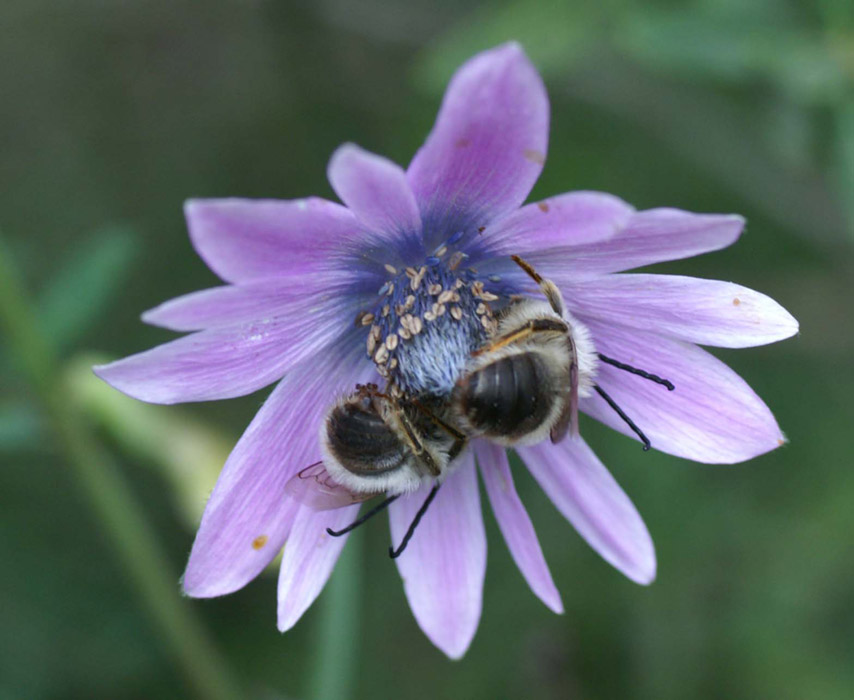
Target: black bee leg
[395,553]
[628,421]
[367,516]
[639,372]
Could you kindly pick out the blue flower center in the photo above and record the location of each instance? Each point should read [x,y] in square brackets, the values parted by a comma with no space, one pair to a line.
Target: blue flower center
[428,320]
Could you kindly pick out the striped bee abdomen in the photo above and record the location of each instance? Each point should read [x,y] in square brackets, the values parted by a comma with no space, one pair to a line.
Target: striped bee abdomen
[358,437]
[508,398]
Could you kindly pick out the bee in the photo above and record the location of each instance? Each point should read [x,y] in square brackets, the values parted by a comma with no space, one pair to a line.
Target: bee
[376,442]
[525,383]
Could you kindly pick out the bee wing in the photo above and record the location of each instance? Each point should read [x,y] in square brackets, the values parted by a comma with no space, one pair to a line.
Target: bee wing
[567,422]
[314,488]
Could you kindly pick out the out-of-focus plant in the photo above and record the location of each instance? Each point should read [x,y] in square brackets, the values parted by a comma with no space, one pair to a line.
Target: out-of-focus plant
[780,72]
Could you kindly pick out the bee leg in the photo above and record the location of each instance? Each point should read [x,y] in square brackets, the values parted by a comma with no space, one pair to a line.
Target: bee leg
[639,372]
[417,446]
[460,439]
[549,288]
[395,553]
[628,421]
[539,325]
[367,516]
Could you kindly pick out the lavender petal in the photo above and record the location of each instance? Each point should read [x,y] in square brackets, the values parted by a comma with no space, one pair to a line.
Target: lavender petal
[584,491]
[712,415]
[444,565]
[701,311]
[515,524]
[488,145]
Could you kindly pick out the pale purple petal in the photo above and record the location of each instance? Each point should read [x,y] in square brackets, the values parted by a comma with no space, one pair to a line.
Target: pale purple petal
[712,416]
[221,363]
[293,297]
[489,142]
[376,191]
[515,524]
[444,565]
[250,239]
[700,311]
[310,556]
[570,219]
[584,491]
[248,516]
[651,236]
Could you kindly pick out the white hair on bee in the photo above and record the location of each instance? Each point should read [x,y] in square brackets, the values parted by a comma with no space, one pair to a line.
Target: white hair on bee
[517,315]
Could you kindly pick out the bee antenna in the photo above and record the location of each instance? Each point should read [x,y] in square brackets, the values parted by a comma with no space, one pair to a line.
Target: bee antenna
[361,521]
[395,553]
[634,370]
[628,421]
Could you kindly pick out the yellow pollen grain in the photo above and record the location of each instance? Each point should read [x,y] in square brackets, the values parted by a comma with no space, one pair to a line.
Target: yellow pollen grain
[736,302]
[259,541]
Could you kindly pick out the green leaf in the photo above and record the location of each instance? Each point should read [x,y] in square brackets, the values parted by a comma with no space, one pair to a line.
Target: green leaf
[86,284]
[734,49]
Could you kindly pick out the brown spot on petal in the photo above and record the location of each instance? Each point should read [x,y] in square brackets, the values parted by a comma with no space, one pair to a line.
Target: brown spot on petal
[543,207]
[537,157]
[736,301]
[462,143]
[259,542]
[481,229]
[781,442]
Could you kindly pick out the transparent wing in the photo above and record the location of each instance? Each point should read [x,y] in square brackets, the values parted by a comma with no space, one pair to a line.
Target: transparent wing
[568,420]
[314,488]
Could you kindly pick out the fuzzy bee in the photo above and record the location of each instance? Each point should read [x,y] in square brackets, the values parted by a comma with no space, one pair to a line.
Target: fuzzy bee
[524,384]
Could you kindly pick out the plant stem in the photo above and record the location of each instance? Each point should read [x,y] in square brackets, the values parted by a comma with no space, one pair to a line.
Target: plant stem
[336,655]
[111,498]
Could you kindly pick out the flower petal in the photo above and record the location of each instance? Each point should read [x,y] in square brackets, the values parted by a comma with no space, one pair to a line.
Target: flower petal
[245,239]
[708,312]
[221,363]
[584,491]
[570,219]
[248,503]
[294,297]
[445,562]
[712,416]
[310,556]
[376,191]
[651,236]
[489,142]
[515,524]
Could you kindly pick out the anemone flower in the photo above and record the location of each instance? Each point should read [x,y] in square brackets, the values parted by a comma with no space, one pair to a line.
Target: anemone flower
[298,273]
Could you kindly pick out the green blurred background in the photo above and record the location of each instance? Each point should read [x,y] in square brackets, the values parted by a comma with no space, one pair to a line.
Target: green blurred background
[113,113]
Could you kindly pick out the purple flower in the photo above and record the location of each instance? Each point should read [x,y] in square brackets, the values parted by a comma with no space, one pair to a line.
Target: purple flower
[299,272]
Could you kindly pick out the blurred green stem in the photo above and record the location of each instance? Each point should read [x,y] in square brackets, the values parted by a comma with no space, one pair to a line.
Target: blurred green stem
[110,496]
[335,660]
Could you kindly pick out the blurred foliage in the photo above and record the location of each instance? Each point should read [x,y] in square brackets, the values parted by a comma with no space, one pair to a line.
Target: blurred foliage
[117,112]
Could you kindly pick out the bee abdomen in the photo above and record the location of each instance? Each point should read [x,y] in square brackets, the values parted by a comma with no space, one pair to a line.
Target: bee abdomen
[362,443]
[507,398]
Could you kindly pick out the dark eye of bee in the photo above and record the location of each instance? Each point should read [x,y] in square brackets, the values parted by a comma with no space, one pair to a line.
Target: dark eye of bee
[508,398]
[360,440]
